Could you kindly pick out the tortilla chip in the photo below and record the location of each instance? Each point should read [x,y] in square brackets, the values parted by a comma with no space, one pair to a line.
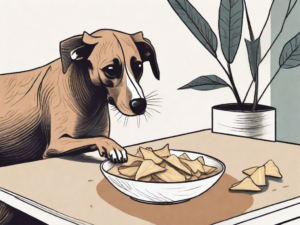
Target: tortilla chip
[146,168]
[245,185]
[198,174]
[184,156]
[163,164]
[170,175]
[193,178]
[128,171]
[139,154]
[174,161]
[236,184]
[209,169]
[147,178]
[150,155]
[272,170]
[132,161]
[147,148]
[208,175]
[187,176]
[201,159]
[156,178]
[142,148]
[164,152]
[250,170]
[194,165]
[115,171]
[258,177]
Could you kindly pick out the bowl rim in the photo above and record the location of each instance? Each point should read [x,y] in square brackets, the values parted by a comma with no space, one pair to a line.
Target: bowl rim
[162,183]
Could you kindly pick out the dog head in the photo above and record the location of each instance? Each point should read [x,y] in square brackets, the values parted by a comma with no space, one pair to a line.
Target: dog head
[116,62]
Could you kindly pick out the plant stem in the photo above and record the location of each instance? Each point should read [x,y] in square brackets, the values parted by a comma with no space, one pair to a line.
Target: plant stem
[256,73]
[233,88]
[248,91]
[233,85]
[286,16]
[269,84]
[255,102]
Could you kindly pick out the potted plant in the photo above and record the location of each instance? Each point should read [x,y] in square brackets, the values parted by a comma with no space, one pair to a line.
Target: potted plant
[242,119]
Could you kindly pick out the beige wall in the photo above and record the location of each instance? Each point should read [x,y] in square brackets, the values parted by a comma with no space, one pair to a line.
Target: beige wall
[31,31]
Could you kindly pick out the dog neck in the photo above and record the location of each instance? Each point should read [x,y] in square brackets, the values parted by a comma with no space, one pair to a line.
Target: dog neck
[86,98]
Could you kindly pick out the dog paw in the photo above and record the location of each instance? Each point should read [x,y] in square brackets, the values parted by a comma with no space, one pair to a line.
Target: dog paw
[113,151]
[118,156]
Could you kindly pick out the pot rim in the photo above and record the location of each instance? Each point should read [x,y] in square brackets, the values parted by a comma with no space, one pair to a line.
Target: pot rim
[233,107]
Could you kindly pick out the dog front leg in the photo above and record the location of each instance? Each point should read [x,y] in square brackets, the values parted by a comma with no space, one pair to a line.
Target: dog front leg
[106,147]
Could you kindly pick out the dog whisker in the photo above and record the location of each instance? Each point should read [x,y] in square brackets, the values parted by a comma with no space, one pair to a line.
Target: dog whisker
[145,117]
[139,121]
[152,96]
[158,103]
[154,110]
[119,118]
[155,105]
[155,99]
[113,108]
[124,122]
[151,100]
[151,93]
[148,114]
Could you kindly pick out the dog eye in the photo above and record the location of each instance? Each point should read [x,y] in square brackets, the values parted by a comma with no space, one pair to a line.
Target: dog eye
[112,71]
[137,68]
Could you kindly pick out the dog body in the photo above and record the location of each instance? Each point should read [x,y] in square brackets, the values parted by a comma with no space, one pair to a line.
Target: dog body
[62,108]
[40,100]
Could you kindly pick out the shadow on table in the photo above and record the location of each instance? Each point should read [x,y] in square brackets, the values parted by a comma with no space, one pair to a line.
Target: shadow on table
[82,158]
[213,206]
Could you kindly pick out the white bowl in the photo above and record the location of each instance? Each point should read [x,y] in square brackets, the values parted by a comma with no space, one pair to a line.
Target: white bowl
[165,193]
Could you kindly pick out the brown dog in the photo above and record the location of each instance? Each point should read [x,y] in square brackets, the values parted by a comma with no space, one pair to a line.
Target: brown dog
[62,108]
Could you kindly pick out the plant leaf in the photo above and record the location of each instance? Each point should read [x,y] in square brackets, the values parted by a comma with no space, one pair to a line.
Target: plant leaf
[230,27]
[205,83]
[291,6]
[290,55]
[249,24]
[253,49]
[196,24]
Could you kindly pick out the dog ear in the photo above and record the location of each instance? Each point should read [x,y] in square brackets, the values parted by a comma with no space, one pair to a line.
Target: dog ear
[76,48]
[146,51]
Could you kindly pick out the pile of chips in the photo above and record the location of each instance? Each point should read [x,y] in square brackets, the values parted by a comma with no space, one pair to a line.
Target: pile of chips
[160,166]
[257,177]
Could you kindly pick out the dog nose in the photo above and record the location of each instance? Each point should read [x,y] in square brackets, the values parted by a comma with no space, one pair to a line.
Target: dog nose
[138,105]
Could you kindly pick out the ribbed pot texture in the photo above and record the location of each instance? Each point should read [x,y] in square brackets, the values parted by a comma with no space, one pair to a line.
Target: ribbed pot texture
[241,121]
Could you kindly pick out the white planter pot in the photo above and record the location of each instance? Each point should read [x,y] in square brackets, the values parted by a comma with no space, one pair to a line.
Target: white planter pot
[241,121]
